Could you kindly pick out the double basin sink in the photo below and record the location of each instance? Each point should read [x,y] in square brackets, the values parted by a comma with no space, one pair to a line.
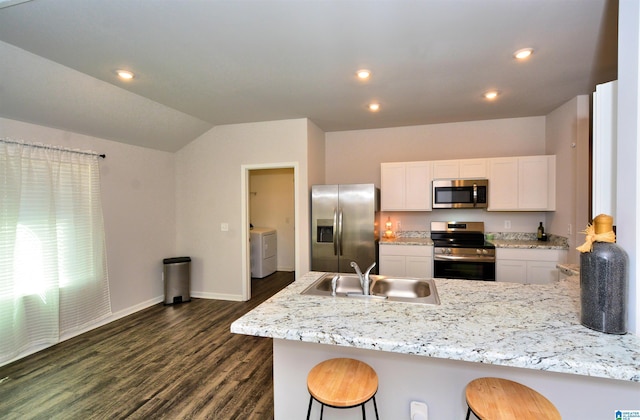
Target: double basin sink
[399,289]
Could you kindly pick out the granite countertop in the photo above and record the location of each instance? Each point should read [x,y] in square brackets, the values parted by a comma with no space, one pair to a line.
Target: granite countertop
[569,269]
[500,240]
[508,324]
[407,241]
[529,244]
[526,240]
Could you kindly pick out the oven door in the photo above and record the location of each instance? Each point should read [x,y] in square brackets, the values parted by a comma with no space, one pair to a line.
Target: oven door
[467,269]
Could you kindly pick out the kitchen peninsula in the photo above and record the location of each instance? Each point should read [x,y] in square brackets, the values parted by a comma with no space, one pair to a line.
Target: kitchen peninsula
[528,333]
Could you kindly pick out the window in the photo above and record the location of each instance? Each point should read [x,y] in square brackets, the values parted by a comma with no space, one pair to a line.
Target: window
[53,276]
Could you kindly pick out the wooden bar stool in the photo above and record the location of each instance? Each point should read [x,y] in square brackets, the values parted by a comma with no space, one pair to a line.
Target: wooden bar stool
[342,383]
[502,399]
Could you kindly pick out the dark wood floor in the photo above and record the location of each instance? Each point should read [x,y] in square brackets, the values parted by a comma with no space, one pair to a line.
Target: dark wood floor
[174,362]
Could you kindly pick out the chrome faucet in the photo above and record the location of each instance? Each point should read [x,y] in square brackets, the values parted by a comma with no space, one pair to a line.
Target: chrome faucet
[334,284]
[365,280]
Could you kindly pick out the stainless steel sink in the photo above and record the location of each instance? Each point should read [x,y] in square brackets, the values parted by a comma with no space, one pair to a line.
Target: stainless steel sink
[400,289]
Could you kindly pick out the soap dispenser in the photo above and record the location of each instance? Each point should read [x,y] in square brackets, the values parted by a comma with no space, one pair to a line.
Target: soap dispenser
[540,232]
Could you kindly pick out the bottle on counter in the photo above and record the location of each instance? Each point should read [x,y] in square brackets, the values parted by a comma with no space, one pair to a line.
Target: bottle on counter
[540,232]
[603,279]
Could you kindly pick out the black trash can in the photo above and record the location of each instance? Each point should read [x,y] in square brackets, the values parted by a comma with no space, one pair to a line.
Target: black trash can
[177,279]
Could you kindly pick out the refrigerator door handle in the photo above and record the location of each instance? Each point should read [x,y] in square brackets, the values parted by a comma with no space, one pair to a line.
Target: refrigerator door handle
[335,232]
[340,232]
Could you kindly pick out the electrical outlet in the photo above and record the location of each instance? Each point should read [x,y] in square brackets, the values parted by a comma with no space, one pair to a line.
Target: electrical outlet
[507,224]
[419,411]
[224,227]
[570,229]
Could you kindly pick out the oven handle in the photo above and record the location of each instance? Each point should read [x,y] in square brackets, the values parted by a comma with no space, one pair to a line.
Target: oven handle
[479,258]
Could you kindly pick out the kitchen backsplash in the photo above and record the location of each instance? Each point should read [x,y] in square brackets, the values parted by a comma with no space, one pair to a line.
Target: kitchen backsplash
[501,236]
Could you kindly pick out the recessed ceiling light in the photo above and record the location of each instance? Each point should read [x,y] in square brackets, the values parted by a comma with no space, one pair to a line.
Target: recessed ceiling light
[374,107]
[363,74]
[491,95]
[124,74]
[523,53]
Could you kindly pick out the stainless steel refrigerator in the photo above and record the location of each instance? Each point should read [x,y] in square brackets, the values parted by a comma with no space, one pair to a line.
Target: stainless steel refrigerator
[344,227]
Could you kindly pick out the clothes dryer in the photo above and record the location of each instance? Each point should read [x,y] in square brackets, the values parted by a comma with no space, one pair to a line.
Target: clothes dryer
[264,252]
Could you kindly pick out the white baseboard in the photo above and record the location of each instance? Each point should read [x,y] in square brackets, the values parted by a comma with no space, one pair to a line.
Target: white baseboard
[121,314]
[114,316]
[104,321]
[136,308]
[216,296]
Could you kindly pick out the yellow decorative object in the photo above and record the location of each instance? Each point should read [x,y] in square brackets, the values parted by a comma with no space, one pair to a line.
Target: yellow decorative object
[388,233]
[600,231]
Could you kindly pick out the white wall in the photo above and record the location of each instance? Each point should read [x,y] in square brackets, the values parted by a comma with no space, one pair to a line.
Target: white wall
[567,134]
[439,383]
[355,157]
[272,205]
[494,221]
[138,201]
[628,222]
[316,173]
[316,154]
[208,193]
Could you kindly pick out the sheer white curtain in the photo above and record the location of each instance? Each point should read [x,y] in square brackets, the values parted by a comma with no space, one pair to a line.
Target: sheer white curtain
[53,273]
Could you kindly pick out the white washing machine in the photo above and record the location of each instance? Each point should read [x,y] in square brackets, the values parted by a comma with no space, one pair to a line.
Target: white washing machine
[264,252]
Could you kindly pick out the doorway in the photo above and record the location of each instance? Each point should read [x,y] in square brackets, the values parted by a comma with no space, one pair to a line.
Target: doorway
[269,201]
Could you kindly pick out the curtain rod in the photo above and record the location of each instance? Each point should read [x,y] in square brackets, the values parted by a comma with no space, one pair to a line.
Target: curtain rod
[47,146]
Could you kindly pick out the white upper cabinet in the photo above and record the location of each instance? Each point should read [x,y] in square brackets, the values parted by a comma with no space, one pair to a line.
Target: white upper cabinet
[537,183]
[446,169]
[522,183]
[503,184]
[526,183]
[473,168]
[461,168]
[392,185]
[405,186]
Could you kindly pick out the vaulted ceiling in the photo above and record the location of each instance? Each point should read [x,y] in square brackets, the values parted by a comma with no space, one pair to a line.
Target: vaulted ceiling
[202,63]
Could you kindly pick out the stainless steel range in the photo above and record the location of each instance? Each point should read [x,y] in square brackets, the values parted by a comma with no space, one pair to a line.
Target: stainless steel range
[460,251]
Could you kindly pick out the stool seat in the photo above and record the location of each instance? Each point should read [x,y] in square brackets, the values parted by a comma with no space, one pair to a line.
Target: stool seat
[342,383]
[498,399]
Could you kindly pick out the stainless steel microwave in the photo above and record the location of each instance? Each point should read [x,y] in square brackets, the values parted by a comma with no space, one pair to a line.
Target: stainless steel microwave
[460,193]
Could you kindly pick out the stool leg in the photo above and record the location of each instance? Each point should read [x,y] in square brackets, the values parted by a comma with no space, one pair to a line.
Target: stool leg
[309,410]
[468,412]
[321,411]
[375,407]
[364,414]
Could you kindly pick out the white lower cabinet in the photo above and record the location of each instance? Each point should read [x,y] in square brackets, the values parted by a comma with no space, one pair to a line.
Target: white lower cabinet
[406,260]
[529,266]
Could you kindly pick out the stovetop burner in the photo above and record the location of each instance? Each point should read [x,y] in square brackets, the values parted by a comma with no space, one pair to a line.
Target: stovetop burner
[459,235]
